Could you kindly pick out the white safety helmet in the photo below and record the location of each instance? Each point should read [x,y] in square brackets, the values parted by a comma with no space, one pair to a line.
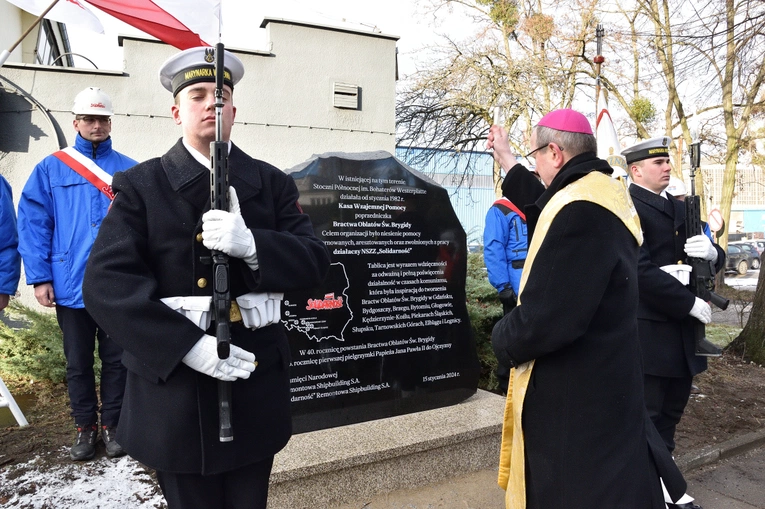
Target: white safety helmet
[92,101]
[676,187]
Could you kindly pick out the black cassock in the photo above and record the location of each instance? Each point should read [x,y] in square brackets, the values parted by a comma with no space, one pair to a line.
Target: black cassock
[588,439]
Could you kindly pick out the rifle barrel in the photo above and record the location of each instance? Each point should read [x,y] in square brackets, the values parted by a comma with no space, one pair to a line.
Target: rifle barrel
[221,275]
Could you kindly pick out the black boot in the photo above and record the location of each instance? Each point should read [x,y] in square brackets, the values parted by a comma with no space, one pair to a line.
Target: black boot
[113,449]
[84,447]
[687,505]
[705,348]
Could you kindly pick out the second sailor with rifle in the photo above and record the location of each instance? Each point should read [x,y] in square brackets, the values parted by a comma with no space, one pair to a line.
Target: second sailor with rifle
[668,311]
[150,282]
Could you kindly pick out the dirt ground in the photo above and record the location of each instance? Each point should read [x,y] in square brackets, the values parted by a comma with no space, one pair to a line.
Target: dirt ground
[731,402]
[50,426]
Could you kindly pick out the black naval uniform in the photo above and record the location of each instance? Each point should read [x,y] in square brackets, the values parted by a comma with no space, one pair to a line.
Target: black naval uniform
[150,247]
[664,326]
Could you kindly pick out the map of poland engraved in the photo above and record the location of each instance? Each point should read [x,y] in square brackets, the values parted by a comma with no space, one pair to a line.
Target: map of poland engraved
[325,315]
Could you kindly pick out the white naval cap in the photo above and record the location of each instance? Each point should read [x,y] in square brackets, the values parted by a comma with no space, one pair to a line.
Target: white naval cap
[195,65]
[676,187]
[654,147]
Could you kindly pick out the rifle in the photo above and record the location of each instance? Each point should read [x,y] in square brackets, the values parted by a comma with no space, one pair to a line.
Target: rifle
[702,281]
[221,276]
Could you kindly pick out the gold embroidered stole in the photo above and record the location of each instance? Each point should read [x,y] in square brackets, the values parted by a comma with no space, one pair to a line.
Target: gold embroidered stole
[612,195]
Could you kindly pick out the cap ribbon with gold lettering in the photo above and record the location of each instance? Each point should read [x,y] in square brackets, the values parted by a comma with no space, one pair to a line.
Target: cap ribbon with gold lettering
[648,149]
[196,65]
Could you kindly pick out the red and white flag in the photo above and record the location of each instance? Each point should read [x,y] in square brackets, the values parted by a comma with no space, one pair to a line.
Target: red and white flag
[608,144]
[71,12]
[180,23]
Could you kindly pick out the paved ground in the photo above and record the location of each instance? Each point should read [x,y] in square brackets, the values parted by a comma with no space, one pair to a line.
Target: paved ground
[736,483]
[733,315]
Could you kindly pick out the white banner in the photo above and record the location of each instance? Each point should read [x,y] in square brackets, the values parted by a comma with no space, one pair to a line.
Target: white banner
[71,12]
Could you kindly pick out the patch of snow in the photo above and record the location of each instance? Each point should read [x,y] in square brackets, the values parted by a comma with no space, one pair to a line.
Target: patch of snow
[742,283]
[103,483]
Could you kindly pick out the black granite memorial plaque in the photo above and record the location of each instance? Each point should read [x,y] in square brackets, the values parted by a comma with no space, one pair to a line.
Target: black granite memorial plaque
[388,331]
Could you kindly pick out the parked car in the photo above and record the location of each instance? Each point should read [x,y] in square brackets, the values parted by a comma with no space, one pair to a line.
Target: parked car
[738,260]
[751,249]
[759,245]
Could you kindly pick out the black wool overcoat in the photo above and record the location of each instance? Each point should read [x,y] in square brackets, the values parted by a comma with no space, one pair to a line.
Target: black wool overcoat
[664,327]
[150,247]
[588,439]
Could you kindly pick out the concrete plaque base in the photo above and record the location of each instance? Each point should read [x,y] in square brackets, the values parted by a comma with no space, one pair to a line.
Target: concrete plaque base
[327,468]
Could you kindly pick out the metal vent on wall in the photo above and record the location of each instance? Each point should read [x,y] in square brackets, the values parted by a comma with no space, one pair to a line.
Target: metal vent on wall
[346,96]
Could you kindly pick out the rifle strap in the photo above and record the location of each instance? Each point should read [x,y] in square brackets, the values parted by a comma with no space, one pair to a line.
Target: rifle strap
[86,168]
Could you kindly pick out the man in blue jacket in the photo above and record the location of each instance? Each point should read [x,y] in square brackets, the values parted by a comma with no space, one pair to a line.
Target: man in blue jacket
[10,263]
[505,244]
[60,211]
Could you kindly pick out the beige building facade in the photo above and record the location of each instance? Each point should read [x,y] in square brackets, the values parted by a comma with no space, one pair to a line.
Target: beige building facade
[317,89]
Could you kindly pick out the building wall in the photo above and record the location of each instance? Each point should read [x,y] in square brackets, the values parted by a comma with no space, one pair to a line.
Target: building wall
[295,89]
[471,191]
[284,103]
[753,221]
[748,207]
[13,23]
[10,28]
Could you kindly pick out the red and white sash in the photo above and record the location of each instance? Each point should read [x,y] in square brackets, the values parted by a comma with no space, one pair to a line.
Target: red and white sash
[88,169]
[507,203]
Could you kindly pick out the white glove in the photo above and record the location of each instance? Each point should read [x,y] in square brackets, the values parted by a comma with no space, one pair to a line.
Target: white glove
[699,246]
[203,357]
[226,232]
[701,311]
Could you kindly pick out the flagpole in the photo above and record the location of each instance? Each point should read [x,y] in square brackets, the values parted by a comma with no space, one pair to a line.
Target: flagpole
[6,53]
[497,173]
[220,21]
[599,59]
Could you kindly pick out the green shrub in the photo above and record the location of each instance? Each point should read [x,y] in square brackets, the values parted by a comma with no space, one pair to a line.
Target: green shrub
[484,310]
[34,351]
